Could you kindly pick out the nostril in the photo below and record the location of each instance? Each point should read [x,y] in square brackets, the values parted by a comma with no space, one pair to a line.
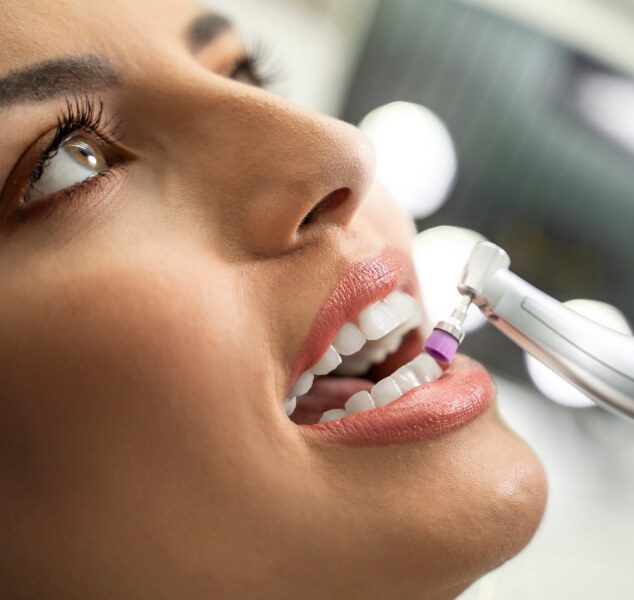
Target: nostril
[327,204]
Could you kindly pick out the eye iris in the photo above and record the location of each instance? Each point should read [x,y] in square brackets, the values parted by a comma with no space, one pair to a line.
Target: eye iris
[86,154]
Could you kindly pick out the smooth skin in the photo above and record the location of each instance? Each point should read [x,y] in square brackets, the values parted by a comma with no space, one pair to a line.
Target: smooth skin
[147,332]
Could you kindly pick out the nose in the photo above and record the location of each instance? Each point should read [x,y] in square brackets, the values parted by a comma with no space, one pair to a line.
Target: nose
[271,171]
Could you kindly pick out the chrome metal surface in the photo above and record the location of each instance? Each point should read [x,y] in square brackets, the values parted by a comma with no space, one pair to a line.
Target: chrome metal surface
[595,359]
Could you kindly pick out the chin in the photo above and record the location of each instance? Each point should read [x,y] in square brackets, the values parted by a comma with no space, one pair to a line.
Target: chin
[515,492]
[457,507]
[491,504]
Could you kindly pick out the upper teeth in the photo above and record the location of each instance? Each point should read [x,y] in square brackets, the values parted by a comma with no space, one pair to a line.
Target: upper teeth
[380,318]
[393,317]
[349,339]
[328,362]
[383,323]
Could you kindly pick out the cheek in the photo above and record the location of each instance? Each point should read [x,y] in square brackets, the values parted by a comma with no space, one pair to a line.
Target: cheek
[121,364]
[138,318]
[129,399]
[122,406]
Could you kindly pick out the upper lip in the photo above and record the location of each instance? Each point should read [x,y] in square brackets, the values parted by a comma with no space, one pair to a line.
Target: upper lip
[363,283]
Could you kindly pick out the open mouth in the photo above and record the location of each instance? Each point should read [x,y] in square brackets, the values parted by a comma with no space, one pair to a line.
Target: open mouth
[373,360]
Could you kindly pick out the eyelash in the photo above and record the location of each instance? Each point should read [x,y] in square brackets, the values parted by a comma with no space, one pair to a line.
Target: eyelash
[258,65]
[84,113]
[80,114]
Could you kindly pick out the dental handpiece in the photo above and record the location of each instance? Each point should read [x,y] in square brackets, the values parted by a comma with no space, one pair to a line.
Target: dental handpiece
[597,360]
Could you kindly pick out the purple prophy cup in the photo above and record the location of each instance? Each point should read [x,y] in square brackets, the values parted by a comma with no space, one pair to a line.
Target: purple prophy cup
[441,346]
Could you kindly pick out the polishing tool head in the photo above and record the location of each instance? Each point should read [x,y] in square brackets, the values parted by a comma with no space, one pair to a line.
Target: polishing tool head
[441,346]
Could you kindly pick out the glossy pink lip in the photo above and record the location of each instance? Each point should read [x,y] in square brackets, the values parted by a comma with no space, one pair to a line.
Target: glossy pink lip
[462,393]
[365,282]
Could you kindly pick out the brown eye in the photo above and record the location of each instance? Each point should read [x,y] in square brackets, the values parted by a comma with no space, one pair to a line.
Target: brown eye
[77,159]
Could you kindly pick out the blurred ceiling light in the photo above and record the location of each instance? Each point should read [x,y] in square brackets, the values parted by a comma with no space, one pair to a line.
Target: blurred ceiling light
[554,386]
[607,102]
[439,256]
[416,158]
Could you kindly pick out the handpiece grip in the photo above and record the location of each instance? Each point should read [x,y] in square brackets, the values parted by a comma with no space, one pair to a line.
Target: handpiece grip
[597,360]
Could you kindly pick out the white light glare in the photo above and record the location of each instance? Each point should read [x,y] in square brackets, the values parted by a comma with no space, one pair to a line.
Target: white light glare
[553,385]
[607,101]
[416,159]
[440,255]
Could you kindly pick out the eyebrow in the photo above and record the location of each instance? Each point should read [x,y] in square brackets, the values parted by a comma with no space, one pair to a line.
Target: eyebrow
[57,77]
[203,29]
[51,79]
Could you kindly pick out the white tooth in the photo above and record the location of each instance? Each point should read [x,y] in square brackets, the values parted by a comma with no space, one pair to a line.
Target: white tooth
[353,365]
[406,305]
[378,320]
[331,415]
[359,402]
[290,404]
[374,354]
[384,392]
[411,323]
[349,340]
[327,363]
[392,341]
[425,368]
[415,321]
[405,379]
[303,384]
[389,343]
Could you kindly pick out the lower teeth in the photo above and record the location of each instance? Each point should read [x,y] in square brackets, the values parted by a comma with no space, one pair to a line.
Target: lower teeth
[359,402]
[423,369]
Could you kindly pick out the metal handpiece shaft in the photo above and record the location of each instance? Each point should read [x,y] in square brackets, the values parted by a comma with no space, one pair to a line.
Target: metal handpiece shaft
[595,359]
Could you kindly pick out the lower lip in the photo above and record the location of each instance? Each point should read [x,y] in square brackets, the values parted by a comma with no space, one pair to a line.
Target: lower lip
[459,396]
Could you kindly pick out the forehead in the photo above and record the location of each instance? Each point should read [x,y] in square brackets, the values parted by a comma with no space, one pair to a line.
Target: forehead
[40,29]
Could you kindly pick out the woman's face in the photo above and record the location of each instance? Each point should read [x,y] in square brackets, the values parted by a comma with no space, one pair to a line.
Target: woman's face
[173,255]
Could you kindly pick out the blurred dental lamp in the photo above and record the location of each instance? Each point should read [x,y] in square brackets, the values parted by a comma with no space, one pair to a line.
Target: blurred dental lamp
[439,255]
[552,385]
[607,102]
[416,158]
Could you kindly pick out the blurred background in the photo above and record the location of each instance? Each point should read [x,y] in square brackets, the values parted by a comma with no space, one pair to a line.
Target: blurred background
[511,120]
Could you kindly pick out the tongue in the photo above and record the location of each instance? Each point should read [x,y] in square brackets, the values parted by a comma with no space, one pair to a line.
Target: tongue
[327,393]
